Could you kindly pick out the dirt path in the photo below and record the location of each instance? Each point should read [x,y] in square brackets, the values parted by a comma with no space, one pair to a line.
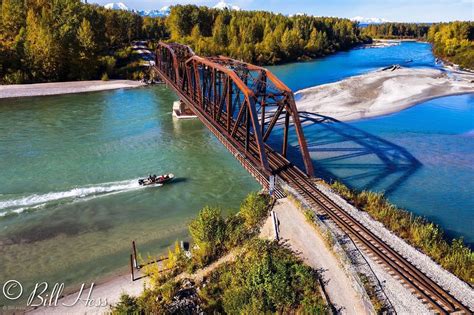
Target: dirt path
[199,275]
[303,238]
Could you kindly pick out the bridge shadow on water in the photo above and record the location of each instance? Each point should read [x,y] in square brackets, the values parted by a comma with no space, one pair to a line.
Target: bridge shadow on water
[341,151]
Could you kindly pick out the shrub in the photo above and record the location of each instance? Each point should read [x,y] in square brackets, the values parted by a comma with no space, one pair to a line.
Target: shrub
[124,53]
[208,234]
[168,291]
[253,209]
[17,77]
[265,278]
[108,64]
[126,305]
[105,77]
[235,232]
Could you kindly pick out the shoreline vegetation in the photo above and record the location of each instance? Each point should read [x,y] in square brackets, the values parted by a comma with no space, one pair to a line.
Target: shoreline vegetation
[254,276]
[429,238]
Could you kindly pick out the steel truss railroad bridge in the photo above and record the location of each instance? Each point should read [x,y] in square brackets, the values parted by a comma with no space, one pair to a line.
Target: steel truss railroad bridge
[242,104]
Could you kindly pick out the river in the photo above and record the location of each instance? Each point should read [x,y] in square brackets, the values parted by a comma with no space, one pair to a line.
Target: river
[70,205]
[422,157]
[69,197]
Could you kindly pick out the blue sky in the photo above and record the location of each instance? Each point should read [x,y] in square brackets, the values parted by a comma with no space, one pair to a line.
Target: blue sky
[393,10]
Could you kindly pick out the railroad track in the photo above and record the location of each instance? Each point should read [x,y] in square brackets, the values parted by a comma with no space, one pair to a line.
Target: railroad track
[438,299]
[423,286]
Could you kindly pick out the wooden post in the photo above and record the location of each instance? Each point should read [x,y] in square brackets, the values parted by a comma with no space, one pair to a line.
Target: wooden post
[131,268]
[135,262]
[275,225]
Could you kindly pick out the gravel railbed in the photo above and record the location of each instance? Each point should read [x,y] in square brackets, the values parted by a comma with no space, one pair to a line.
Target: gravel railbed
[401,298]
[458,288]
[389,289]
[363,266]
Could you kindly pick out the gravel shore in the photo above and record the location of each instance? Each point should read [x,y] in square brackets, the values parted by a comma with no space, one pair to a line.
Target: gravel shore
[56,88]
[382,92]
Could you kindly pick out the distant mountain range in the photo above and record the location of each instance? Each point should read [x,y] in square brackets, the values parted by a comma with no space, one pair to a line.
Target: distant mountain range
[224,5]
[373,20]
[116,6]
[164,11]
[221,5]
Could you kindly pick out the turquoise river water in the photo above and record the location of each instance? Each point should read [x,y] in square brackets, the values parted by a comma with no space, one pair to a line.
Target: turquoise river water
[70,204]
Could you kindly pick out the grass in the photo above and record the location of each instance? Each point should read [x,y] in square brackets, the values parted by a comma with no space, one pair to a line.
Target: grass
[426,236]
[379,305]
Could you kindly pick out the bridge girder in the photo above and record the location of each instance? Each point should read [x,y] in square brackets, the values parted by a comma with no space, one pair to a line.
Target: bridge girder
[247,101]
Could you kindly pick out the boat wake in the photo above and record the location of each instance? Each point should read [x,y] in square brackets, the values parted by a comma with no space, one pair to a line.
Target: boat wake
[34,201]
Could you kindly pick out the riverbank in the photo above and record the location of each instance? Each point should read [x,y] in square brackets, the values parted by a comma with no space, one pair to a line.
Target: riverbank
[57,88]
[312,244]
[382,92]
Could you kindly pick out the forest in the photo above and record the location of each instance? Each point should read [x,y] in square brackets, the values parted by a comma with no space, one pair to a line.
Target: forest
[59,40]
[63,40]
[397,30]
[453,41]
[260,37]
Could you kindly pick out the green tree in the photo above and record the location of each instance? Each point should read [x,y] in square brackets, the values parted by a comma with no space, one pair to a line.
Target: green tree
[208,234]
[253,209]
[87,50]
[42,50]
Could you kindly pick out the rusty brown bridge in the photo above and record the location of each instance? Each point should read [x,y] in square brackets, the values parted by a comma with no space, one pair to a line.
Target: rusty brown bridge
[252,113]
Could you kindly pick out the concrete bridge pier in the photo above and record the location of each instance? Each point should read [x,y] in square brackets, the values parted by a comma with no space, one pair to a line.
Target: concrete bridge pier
[182,111]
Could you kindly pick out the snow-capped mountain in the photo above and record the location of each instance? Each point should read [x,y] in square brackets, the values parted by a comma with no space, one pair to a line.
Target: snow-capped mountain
[164,11]
[373,20]
[224,5]
[116,6]
[297,14]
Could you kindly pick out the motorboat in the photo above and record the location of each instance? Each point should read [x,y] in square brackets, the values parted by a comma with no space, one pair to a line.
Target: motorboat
[156,180]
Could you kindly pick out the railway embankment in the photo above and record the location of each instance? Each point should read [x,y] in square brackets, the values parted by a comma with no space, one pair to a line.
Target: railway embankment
[459,289]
